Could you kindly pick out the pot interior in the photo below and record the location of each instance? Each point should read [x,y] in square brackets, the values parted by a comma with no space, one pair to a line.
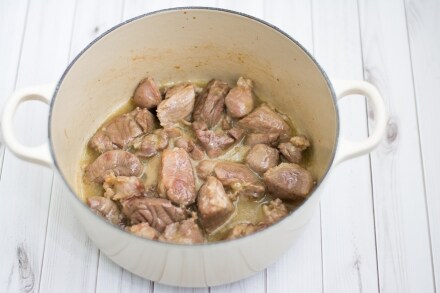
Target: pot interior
[190,45]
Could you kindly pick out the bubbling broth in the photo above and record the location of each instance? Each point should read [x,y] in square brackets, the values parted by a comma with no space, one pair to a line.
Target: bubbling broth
[200,175]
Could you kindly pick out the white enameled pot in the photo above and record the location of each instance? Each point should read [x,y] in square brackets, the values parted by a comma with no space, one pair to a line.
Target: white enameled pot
[193,44]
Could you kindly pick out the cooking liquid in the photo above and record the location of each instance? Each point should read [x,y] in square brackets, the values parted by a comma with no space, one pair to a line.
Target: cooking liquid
[247,210]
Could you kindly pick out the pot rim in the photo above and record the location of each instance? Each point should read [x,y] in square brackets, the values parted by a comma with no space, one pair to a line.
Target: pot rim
[183,8]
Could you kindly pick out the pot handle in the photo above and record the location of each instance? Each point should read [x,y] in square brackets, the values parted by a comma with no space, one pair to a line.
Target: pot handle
[349,149]
[35,154]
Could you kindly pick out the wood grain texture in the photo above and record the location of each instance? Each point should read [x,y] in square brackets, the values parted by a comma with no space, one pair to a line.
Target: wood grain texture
[12,23]
[68,249]
[134,8]
[348,236]
[44,55]
[292,273]
[404,258]
[68,243]
[113,278]
[423,19]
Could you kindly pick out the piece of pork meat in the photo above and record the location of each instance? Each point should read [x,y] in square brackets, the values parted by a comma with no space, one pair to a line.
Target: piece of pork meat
[147,94]
[243,229]
[158,212]
[236,133]
[176,177]
[105,208]
[194,150]
[261,158]
[214,143]
[121,131]
[210,103]
[122,187]
[152,144]
[144,118]
[120,163]
[229,173]
[274,211]
[271,139]
[214,206]
[205,168]
[177,106]
[292,150]
[288,181]
[226,122]
[239,178]
[265,120]
[144,230]
[185,232]
[239,101]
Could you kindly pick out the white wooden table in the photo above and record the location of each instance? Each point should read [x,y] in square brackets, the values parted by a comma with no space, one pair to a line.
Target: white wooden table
[378,227]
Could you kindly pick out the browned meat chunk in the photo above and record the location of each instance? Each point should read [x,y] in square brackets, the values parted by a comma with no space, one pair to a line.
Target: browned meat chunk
[121,131]
[144,230]
[226,122]
[185,232]
[173,132]
[236,133]
[177,106]
[270,139]
[214,205]
[214,143]
[152,144]
[120,163]
[253,190]
[239,178]
[194,150]
[243,229]
[262,157]
[205,168]
[158,212]
[239,101]
[101,142]
[265,120]
[144,118]
[293,149]
[122,187]
[105,208]
[183,143]
[229,173]
[210,103]
[197,153]
[274,211]
[176,177]
[147,94]
[288,181]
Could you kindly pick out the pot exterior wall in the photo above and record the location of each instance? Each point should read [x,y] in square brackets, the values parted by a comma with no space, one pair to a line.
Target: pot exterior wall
[197,265]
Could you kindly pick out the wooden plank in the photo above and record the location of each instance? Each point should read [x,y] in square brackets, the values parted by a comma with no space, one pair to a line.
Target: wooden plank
[347,217]
[67,241]
[28,187]
[91,20]
[423,20]
[300,270]
[113,278]
[12,23]
[134,8]
[70,258]
[183,3]
[404,259]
